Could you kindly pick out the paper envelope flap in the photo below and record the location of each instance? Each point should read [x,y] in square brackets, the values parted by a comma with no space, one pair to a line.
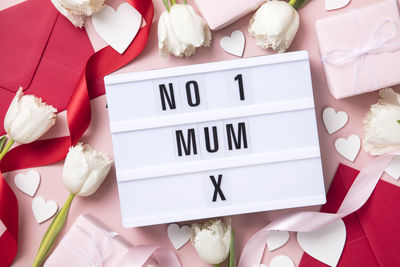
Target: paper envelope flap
[21,53]
[379,218]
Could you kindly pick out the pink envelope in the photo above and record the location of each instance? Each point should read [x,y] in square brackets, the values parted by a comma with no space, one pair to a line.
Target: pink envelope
[372,232]
[352,30]
[43,52]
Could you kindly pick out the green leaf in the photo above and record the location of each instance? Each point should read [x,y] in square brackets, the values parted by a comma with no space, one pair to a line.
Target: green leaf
[166,4]
[3,140]
[232,261]
[398,121]
[297,4]
[185,2]
[52,233]
[173,2]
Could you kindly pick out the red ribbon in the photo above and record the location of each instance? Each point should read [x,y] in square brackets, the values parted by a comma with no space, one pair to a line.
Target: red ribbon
[44,152]
[9,217]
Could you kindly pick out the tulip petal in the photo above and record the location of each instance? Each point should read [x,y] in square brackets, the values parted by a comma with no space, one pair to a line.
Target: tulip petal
[181,31]
[28,118]
[274,25]
[76,169]
[382,131]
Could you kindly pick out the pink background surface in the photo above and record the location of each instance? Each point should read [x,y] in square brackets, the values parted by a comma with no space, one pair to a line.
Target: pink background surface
[104,204]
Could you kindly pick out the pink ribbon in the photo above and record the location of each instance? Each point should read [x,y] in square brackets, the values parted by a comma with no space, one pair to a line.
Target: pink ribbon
[139,255]
[308,221]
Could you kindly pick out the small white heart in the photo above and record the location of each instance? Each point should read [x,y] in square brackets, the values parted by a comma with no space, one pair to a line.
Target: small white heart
[235,44]
[393,169]
[335,4]
[277,239]
[28,183]
[3,228]
[326,244]
[334,121]
[281,261]
[43,210]
[178,236]
[348,148]
[118,28]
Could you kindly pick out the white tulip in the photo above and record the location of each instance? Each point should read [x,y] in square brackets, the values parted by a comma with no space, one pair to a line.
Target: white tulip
[181,31]
[28,118]
[76,11]
[275,25]
[212,240]
[85,169]
[381,124]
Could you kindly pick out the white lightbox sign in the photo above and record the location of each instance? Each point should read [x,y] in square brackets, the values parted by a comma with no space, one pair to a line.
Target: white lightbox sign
[215,139]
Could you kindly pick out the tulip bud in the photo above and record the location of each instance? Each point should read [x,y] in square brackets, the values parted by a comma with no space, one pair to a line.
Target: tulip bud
[85,169]
[382,130]
[181,31]
[28,118]
[212,240]
[275,25]
[76,11]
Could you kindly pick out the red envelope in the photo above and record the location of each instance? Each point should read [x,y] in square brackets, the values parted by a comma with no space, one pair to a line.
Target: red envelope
[373,232]
[43,52]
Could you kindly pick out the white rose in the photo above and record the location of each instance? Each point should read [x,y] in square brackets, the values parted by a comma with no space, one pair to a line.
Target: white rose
[28,118]
[76,11]
[381,124]
[181,31]
[275,25]
[212,240]
[85,169]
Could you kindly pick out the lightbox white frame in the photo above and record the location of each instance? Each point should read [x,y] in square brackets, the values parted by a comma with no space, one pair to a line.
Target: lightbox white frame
[202,116]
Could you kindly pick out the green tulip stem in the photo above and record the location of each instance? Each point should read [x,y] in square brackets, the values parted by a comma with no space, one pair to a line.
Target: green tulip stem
[297,4]
[166,4]
[6,148]
[52,232]
[216,265]
[173,2]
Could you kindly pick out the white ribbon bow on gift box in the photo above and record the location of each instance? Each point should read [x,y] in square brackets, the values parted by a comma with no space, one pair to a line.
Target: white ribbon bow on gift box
[376,44]
[99,248]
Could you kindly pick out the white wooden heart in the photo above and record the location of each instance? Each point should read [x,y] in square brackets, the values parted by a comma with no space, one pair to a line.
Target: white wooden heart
[334,121]
[349,147]
[118,28]
[234,44]
[281,261]
[277,239]
[3,228]
[393,169]
[178,236]
[326,244]
[28,183]
[43,210]
[335,4]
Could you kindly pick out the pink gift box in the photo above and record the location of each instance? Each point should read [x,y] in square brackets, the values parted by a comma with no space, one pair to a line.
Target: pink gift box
[221,13]
[360,49]
[76,248]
